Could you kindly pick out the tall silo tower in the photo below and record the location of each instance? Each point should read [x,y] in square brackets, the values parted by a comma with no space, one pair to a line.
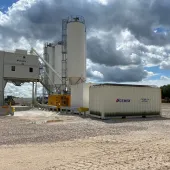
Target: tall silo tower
[57,64]
[49,55]
[76,50]
[53,55]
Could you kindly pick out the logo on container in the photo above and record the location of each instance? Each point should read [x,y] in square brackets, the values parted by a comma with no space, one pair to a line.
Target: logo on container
[122,100]
[145,100]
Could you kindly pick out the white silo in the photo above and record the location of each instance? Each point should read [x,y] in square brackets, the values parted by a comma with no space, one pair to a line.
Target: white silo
[76,50]
[49,53]
[58,65]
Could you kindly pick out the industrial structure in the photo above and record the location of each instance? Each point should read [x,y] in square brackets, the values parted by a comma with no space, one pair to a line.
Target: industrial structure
[76,50]
[68,59]
[80,95]
[62,72]
[18,67]
[53,55]
[62,65]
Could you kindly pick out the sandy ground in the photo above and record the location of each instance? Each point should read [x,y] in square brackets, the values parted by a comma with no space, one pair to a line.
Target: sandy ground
[83,143]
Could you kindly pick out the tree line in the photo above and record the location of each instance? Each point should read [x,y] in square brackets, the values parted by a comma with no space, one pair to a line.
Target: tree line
[165,90]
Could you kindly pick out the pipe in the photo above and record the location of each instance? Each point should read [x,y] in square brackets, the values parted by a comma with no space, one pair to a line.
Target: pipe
[35,96]
[56,73]
[33,93]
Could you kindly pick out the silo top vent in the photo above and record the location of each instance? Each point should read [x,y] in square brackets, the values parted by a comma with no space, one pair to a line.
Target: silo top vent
[76,19]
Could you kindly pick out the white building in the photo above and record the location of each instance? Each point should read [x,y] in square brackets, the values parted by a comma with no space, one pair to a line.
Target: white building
[17,67]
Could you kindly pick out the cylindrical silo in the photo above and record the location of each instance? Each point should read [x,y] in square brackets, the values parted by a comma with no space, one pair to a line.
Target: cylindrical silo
[51,61]
[53,55]
[76,50]
[49,53]
[58,65]
[46,57]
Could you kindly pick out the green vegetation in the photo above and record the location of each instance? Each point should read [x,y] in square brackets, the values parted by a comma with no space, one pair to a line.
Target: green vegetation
[165,91]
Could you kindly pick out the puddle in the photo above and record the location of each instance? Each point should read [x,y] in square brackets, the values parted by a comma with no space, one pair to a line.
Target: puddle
[46,121]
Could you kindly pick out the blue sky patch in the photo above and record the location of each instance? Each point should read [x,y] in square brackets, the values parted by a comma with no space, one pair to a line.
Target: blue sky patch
[161,30]
[4,4]
[159,72]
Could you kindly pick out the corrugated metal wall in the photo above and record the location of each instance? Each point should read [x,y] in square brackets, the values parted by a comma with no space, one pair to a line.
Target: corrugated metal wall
[80,95]
[124,100]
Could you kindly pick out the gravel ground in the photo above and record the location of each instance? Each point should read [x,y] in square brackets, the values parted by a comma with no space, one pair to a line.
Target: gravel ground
[23,131]
[74,142]
[20,130]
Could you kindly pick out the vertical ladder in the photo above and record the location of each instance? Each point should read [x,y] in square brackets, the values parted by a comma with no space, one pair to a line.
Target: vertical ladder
[64,55]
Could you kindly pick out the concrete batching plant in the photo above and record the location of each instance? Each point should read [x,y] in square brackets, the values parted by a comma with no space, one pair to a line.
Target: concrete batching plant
[64,77]
[68,57]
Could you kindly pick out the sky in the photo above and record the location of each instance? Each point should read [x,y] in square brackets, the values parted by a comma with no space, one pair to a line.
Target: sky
[4,4]
[127,40]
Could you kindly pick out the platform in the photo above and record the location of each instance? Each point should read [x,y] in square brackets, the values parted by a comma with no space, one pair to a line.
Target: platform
[22,108]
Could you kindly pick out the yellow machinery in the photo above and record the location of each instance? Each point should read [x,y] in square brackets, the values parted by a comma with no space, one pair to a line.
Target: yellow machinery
[59,100]
[83,109]
[7,110]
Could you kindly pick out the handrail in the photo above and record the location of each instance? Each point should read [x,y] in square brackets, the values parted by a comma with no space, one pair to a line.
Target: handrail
[56,73]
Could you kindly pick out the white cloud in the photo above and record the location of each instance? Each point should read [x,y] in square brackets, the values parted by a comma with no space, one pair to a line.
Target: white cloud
[165,65]
[22,43]
[103,2]
[20,5]
[24,90]
[165,78]
[151,55]
[151,74]
[159,82]
[98,74]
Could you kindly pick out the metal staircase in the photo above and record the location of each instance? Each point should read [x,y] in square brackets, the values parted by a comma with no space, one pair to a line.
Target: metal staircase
[41,80]
[44,76]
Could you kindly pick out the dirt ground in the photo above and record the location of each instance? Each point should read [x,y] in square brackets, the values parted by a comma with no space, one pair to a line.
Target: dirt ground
[84,143]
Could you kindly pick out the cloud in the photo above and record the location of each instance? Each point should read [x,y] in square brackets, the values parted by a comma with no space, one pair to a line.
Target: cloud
[120,33]
[104,50]
[165,78]
[165,65]
[24,90]
[45,16]
[117,74]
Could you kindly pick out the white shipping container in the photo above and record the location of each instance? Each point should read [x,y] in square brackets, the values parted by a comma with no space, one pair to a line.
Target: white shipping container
[80,95]
[109,100]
